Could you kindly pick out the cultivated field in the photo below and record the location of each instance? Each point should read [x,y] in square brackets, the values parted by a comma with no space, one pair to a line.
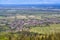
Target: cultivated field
[53,28]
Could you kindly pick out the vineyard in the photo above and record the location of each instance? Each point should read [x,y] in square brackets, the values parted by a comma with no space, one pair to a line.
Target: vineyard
[36,33]
[29,36]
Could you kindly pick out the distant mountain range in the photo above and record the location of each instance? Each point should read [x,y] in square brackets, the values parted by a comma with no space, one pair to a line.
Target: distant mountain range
[6,9]
[51,6]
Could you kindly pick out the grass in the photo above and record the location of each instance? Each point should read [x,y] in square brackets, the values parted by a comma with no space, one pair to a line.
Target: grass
[46,30]
[2,17]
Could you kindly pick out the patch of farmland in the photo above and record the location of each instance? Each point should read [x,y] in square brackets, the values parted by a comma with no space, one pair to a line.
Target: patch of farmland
[53,28]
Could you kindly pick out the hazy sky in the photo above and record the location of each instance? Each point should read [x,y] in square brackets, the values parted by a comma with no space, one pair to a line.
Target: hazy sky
[29,1]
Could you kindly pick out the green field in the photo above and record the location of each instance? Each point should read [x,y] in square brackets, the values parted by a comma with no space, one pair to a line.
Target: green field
[47,29]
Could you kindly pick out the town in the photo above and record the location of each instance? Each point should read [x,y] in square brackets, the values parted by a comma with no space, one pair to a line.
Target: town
[23,22]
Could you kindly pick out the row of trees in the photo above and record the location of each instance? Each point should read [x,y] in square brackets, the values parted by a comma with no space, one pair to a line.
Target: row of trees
[29,36]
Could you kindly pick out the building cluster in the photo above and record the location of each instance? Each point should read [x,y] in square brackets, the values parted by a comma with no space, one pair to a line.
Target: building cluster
[21,23]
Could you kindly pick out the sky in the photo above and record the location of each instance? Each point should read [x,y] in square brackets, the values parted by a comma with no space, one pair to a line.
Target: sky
[29,1]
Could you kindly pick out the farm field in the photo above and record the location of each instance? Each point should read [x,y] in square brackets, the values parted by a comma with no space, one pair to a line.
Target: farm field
[53,28]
